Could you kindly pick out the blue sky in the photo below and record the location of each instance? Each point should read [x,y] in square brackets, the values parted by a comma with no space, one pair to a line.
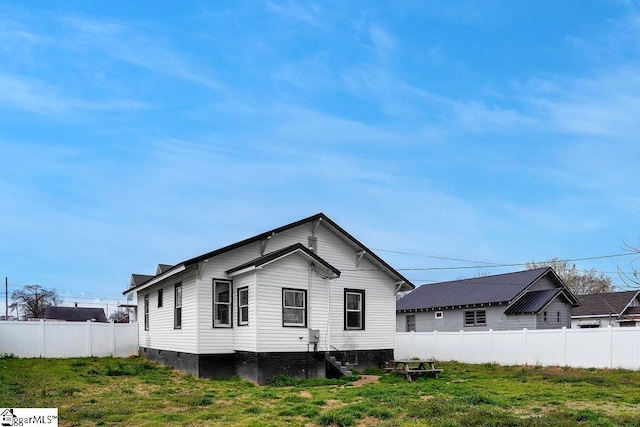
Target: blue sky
[138,133]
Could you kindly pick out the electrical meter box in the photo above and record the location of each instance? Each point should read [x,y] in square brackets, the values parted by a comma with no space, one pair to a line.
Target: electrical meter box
[314,336]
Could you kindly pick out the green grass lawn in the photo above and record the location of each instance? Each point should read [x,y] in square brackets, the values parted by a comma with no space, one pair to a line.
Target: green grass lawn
[93,391]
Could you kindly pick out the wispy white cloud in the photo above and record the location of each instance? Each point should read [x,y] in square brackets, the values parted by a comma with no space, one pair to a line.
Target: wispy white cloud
[123,42]
[33,96]
[299,11]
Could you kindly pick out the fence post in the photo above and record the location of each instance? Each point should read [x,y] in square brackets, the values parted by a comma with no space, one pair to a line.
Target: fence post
[435,345]
[89,343]
[610,346]
[113,339]
[490,345]
[43,340]
[526,347]
[564,345]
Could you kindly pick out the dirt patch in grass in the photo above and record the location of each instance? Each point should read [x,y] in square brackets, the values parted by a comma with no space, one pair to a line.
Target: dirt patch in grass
[306,394]
[366,379]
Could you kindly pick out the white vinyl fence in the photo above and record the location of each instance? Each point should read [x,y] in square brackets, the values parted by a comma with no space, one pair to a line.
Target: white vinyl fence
[587,348]
[68,339]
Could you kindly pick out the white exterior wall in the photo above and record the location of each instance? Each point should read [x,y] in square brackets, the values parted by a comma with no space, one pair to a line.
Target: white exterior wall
[291,272]
[244,337]
[161,334]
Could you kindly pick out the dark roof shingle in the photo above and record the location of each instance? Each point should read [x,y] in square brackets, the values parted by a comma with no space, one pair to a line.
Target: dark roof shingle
[603,303]
[75,314]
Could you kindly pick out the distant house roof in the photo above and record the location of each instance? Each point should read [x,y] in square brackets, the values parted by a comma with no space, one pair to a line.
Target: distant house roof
[75,314]
[405,283]
[139,279]
[162,268]
[607,303]
[496,289]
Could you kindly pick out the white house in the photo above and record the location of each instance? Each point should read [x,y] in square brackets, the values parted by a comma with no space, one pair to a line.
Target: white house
[276,303]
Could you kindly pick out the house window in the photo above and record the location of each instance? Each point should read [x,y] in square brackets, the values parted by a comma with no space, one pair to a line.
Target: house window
[177,307]
[159,297]
[353,309]
[294,307]
[243,306]
[221,304]
[558,317]
[439,314]
[146,312]
[475,318]
[411,322]
[544,316]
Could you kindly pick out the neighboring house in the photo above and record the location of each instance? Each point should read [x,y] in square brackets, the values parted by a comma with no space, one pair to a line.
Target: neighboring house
[604,309]
[276,303]
[532,299]
[75,314]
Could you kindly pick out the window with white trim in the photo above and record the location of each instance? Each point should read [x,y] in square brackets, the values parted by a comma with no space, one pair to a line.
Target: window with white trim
[439,314]
[243,306]
[177,307]
[294,307]
[159,297]
[146,312]
[475,318]
[411,323]
[353,309]
[221,304]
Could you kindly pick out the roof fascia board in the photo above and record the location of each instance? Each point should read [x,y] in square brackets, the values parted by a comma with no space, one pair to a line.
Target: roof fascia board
[158,279]
[243,271]
[586,316]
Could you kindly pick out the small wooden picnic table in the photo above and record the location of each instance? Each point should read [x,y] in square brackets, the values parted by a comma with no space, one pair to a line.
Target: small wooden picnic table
[411,367]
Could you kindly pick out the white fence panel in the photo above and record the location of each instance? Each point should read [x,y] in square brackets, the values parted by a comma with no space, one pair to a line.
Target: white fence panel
[597,348]
[68,339]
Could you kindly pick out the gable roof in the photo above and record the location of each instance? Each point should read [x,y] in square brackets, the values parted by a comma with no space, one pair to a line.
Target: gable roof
[75,314]
[604,304]
[495,289]
[533,301]
[281,253]
[181,266]
[139,279]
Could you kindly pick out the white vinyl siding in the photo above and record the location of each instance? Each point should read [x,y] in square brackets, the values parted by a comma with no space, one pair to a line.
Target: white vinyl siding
[161,334]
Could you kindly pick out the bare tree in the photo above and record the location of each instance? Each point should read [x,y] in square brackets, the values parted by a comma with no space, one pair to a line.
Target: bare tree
[33,300]
[579,282]
[631,279]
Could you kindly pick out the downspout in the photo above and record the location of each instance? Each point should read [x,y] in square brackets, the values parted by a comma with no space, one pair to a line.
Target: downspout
[328,316]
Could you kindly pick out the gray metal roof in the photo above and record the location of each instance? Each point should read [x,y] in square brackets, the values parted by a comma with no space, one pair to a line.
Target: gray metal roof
[499,288]
[533,301]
